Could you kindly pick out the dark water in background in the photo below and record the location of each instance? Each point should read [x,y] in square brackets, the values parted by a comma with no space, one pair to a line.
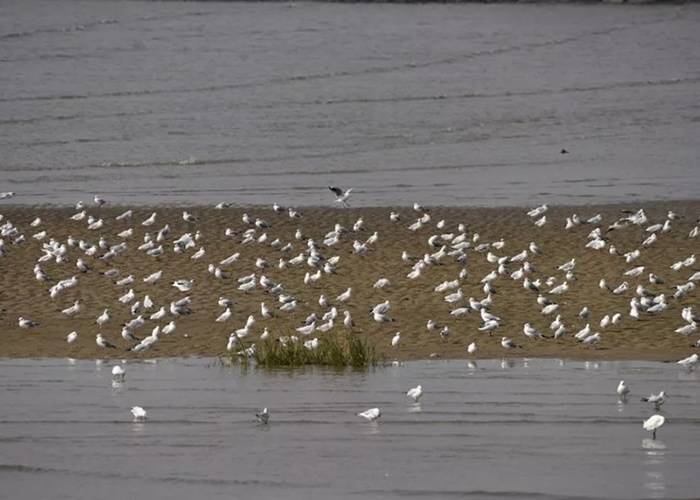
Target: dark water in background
[523,429]
[452,104]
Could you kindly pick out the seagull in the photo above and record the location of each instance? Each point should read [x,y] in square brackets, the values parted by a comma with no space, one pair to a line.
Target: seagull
[102,342]
[152,278]
[347,321]
[27,323]
[118,373]
[653,423]
[308,329]
[656,399]
[138,413]
[150,221]
[72,310]
[372,414]
[689,363]
[232,341]
[341,195]
[103,318]
[623,390]
[531,332]
[471,348]
[345,296]
[224,316]
[72,337]
[508,343]
[415,393]
[263,416]
[396,339]
[183,285]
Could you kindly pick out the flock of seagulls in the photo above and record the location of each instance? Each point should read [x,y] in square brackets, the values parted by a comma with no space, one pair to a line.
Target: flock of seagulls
[651,292]
[655,421]
[651,424]
[448,247]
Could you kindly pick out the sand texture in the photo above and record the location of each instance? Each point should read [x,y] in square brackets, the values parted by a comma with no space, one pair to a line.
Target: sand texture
[413,302]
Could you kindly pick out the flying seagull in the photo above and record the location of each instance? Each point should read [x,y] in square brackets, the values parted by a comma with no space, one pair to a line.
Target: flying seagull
[341,195]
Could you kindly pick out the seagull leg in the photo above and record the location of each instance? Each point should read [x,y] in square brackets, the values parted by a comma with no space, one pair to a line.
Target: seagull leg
[653,435]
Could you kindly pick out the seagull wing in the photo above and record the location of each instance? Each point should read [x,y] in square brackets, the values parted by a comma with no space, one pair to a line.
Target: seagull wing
[336,190]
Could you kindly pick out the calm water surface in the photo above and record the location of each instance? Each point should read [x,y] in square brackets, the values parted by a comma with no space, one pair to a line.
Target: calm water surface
[155,102]
[493,429]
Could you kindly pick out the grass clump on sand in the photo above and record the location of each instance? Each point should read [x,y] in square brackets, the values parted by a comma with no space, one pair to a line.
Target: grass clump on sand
[339,351]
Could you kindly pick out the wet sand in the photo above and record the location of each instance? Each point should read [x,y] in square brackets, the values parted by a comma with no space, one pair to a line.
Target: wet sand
[413,301]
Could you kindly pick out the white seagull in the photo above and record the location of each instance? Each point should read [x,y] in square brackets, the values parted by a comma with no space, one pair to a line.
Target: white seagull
[623,390]
[138,413]
[372,414]
[653,423]
[415,393]
[118,373]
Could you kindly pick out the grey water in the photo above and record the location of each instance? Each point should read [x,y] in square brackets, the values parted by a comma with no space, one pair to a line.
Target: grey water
[488,429]
[468,104]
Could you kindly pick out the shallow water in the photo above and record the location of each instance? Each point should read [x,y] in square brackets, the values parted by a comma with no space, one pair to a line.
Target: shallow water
[493,429]
[166,102]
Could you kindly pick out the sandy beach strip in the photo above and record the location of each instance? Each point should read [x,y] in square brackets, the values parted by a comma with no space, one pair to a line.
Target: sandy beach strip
[413,302]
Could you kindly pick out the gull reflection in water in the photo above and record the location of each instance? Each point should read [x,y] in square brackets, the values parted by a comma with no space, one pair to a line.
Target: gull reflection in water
[472,365]
[654,458]
[415,408]
[138,426]
[371,428]
[507,363]
[688,375]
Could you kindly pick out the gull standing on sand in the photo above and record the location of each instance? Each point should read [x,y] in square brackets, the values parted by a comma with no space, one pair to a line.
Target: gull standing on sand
[507,343]
[27,323]
[102,342]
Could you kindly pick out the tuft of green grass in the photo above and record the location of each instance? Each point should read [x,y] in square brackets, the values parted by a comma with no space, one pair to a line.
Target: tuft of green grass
[334,350]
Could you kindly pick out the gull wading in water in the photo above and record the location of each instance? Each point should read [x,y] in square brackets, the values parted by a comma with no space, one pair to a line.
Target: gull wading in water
[653,423]
[118,373]
[138,413]
[656,399]
[622,390]
[263,416]
[415,393]
[371,415]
